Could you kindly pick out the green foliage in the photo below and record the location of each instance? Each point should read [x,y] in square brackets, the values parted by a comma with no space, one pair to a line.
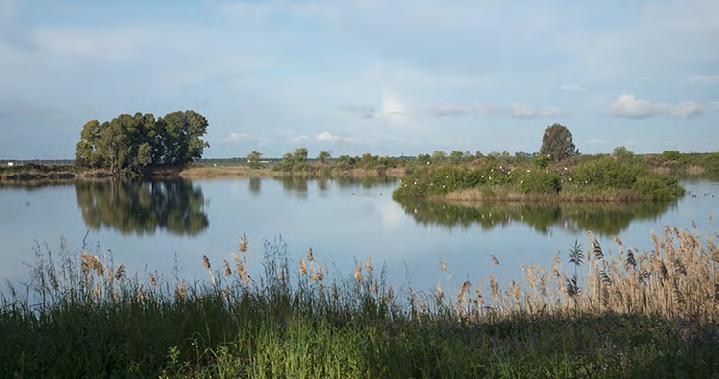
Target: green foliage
[296,161]
[608,172]
[253,159]
[111,325]
[438,156]
[622,154]
[323,156]
[619,177]
[542,161]
[127,144]
[540,182]
[300,155]
[557,143]
[658,187]
[180,136]
[446,178]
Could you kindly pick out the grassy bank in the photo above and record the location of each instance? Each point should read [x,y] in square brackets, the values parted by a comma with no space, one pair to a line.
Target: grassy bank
[206,171]
[610,178]
[592,314]
[29,173]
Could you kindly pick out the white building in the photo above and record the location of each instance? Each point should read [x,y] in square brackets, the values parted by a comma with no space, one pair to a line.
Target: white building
[10,164]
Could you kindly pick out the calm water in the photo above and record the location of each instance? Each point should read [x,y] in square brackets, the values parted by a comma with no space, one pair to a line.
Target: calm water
[150,226]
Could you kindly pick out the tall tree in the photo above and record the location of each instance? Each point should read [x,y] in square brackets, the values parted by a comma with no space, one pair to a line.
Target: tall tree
[557,143]
[86,150]
[182,132]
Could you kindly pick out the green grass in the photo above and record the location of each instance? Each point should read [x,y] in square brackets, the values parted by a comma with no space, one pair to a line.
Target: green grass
[254,337]
[80,317]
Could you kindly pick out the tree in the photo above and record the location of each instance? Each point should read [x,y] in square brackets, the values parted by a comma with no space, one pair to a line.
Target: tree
[323,156]
[128,144]
[438,156]
[182,136]
[457,156]
[300,155]
[253,158]
[623,154]
[557,143]
[86,150]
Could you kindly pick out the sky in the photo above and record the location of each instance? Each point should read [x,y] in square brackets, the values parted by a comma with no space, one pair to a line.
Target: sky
[387,77]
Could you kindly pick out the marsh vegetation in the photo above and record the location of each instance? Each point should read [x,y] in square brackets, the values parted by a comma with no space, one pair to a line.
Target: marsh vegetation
[593,313]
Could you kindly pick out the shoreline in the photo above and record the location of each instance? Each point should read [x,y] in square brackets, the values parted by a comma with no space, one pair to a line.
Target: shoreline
[72,173]
[474,196]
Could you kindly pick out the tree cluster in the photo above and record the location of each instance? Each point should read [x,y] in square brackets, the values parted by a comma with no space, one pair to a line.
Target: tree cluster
[130,143]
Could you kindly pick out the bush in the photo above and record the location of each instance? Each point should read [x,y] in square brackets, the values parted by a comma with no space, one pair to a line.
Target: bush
[658,187]
[540,182]
[607,172]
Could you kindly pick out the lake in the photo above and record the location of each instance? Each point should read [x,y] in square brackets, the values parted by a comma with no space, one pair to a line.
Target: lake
[157,225]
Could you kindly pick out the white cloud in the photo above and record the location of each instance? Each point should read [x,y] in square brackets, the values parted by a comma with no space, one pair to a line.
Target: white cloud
[326,136]
[575,87]
[708,79]
[629,106]
[522,111]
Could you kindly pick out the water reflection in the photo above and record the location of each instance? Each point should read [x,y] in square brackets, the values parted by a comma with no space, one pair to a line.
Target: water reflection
[296,185]
[142,207]
[602,219]
[299,185]
[255,186]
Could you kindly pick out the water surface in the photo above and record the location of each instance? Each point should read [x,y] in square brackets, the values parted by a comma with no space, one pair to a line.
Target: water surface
[154,225]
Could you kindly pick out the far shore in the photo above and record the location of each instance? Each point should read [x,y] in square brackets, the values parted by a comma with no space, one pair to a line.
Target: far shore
[38,173]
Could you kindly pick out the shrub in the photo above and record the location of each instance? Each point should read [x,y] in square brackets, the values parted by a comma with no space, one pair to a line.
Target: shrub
[607,172]
[540,182]
[658,187]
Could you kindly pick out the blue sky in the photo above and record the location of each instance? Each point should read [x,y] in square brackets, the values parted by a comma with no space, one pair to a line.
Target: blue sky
[390,77]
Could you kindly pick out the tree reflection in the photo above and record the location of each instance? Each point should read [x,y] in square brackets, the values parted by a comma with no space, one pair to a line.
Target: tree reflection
[295,184]
[299,185]
[600,218]
[142,207]
[255,185]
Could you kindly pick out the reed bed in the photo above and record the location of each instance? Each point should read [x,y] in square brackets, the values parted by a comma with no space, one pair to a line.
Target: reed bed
[593,313]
